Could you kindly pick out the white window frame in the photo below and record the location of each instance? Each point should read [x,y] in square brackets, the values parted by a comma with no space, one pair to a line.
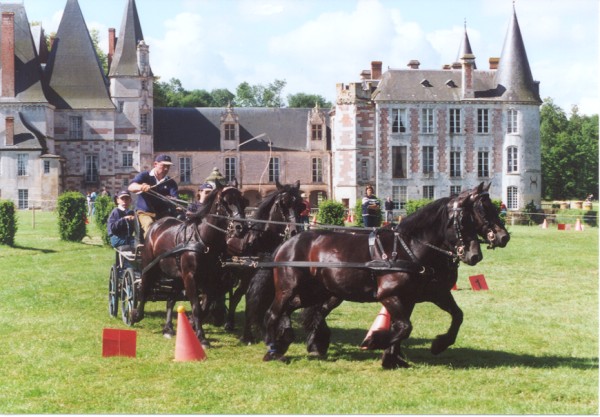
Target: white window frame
[427,120]
[512,121]
[483,121]
[512,197]
[22,164]
[317,170]
[428,155]
[274,169]
[512,160]
[398,120]
[92,173]
[483,164]
[455,163]
[185,169]
[454,125]
[230,168]
[75,127]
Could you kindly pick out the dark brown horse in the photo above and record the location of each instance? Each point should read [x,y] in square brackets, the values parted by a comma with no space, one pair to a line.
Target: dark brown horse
[387,266]
[273,221]
[438,289]
[190,252]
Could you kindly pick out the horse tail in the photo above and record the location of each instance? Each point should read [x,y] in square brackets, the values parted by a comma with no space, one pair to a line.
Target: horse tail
[260,295]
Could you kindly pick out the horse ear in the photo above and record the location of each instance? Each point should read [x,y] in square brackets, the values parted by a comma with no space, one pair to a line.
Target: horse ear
[297,184]
[278,184]
[233,183]
[488,187]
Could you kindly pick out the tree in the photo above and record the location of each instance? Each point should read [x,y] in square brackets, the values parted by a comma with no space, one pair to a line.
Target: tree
[102,57]
[260,96]
[222,97]
[569,153]
[303,100]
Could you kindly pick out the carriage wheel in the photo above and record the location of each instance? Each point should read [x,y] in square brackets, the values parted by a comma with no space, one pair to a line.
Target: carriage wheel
[128,296]
[113,292]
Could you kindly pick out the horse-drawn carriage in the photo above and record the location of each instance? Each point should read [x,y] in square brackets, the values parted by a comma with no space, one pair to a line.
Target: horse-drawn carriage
[413,262]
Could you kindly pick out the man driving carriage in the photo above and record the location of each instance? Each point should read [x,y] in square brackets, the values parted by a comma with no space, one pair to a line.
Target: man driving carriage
[154,188]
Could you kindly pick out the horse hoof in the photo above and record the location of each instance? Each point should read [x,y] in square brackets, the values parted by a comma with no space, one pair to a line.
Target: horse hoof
[247,341]
[205,344]
[391,361]
[317,355]
[229,327]
[274,356]
[439,345]
[167,335]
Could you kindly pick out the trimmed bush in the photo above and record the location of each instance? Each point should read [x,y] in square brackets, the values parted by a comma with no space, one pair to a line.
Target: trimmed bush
[71,209]
[414,205]
[331,212]
[103,207]
[8,223]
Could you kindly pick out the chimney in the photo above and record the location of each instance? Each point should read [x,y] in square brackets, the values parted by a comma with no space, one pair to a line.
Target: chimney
[111,44]
[7,48]
[494,63]
[413,64]
[10,130]
[468,62]
[376,70]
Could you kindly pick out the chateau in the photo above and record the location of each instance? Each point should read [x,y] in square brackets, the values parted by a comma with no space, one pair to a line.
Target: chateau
[65,124]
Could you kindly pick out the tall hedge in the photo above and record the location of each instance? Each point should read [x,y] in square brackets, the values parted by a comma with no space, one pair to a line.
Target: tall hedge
[331,212]
[8,223]
[71,210]
[103,206]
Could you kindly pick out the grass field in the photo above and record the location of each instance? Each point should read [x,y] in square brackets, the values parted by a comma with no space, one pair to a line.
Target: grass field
[528,345]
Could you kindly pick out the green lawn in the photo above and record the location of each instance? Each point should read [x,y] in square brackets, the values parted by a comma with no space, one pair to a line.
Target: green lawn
[529,345]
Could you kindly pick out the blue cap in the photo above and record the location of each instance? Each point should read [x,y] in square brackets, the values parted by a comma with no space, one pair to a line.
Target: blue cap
[206,186]
[165,159]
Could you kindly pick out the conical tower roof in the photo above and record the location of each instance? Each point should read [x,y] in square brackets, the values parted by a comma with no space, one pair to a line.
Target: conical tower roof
[74,73]
[125,61]
[514,74]
[465,48]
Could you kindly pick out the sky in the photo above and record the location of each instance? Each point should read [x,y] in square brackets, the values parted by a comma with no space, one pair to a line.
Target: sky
[315,44]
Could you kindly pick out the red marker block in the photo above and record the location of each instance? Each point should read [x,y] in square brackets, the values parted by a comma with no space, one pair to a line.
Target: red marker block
[478,282]
[561,226]
[117,342]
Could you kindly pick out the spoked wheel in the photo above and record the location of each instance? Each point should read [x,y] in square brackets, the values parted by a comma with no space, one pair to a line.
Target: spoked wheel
[128,296]
[113,292]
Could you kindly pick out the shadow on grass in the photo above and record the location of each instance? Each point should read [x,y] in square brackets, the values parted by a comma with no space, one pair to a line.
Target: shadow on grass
[34,249]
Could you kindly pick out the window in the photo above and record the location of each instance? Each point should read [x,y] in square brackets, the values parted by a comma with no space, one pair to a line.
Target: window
[483,164]
[483,121]
[127,159]
[399,196]
[230,169]
[185,170]
[144,122]
[427,121]
[317,170]
[22,164]
[229,129]
[75,127]
[23,199]
[398,120]
[455,189]
[455,165]
[454,120]
[512,121]
[91,168]
[364,169]
[428,192]
[427,159]
[512,198]
[46,167]
[273,169]
[317,131]
[511,159]
[399,163]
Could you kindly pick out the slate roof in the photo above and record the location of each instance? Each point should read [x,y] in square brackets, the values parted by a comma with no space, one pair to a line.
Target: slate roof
[28,75]
[74,74]
[198,129]
[125,58]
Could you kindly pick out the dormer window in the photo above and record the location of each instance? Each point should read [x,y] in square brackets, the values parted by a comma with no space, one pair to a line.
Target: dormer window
[229,130]
[451,84]
[426,83]
[316,131]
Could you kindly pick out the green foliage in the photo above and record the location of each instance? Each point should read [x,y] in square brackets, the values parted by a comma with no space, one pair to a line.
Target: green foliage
[102,57]
[303,100]
[331,212]
[72,209]
[8,222]
[103,206]
[569,150]
[258,95]
[414,205]
[172,94]
[534,214]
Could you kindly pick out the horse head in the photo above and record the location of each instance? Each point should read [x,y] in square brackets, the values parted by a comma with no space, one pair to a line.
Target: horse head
[488,222]
[461,231]
[230,203]
[289,204]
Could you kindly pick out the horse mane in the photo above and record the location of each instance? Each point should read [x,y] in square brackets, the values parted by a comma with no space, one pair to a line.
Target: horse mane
[264,207]
[427,217]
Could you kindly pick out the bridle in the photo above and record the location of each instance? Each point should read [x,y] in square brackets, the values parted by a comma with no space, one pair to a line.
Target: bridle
[480,214]
[231,212]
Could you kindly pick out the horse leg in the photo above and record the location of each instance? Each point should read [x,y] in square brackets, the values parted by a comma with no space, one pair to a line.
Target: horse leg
[400,329]
[318,332]
[259,297]
[168,330]
[235,298]
[446,302]
[279,332]
[191,290]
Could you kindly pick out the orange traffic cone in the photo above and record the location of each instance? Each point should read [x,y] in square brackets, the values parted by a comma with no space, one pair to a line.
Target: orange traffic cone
[578,226]
[545,224]
[379,331]
[187,345]
[314,220]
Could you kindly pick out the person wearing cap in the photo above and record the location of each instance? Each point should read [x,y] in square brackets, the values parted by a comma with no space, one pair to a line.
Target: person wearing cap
[150,207]
[203,191]
[120,223]
[370,208]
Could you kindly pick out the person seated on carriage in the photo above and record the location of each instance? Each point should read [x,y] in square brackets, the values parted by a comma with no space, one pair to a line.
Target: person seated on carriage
[370,208]
[204,191]
[121,222]
[155,188]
